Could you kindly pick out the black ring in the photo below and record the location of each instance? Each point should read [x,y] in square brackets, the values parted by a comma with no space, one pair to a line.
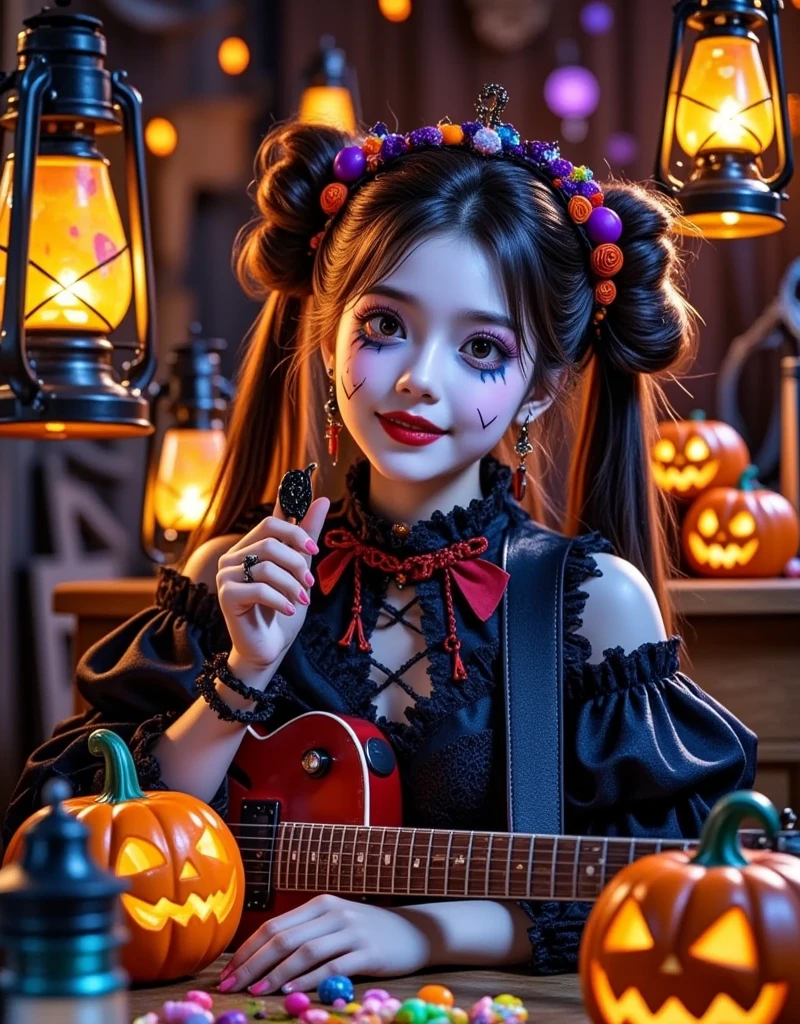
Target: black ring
[247,564]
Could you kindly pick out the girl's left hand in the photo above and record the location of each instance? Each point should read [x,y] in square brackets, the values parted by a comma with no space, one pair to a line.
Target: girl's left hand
[328,935]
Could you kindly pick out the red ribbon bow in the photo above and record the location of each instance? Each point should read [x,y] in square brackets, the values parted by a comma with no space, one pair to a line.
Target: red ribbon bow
[482,583]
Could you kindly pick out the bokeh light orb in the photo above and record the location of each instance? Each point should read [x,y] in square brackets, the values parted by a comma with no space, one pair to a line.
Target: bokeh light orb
[160,136]
[572,92]
[233,55]
[597,18]
[574,129]
[622,148]
[395,10]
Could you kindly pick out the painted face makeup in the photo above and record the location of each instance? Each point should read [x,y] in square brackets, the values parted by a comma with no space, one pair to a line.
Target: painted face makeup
[428,374]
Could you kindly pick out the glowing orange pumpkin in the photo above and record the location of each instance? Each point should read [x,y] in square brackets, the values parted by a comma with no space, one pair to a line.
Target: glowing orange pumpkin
[179,857]
[709,939]
[691,455]
[747,531]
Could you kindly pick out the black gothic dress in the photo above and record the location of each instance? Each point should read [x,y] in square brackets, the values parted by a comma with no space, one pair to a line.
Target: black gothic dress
[647,752]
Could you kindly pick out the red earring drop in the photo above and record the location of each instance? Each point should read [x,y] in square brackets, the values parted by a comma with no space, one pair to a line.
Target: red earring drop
[334,426]
[523,448]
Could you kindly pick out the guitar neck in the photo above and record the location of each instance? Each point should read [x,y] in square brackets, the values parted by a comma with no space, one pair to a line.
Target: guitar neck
[425,862]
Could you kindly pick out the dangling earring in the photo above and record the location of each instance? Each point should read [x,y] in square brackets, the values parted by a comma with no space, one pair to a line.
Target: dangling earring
[334,427]
[523,448]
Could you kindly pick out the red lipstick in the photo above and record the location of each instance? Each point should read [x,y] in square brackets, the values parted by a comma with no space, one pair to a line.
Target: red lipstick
[409,429]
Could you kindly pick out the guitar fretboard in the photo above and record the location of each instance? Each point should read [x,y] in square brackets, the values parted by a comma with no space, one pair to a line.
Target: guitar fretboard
[424,862]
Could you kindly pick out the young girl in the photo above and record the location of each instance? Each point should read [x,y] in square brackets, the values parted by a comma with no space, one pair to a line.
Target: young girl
[450,287]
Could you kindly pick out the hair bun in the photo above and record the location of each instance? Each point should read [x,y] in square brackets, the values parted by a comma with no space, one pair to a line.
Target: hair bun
[648,326]
[293,165]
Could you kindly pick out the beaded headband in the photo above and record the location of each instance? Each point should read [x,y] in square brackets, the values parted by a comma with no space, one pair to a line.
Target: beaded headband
[491,137]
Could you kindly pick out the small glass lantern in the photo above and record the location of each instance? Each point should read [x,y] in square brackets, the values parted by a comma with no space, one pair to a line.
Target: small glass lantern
[184,456]
[725,107]
[67,271]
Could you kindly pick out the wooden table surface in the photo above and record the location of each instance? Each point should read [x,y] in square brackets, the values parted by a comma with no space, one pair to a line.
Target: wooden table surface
[550,1000]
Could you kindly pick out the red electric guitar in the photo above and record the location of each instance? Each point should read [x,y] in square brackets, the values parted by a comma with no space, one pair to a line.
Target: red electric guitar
[315,807]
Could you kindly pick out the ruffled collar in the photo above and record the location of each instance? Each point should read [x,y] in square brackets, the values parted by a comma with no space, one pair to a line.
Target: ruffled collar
[443,528]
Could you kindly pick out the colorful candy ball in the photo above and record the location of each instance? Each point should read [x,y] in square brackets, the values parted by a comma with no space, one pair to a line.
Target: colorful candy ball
[352,1008]
[335,987]
[339,1004]
[233,1017]
[314,1015]
[377,993]
[412,1011]
[436,994]
[295,1003]
[203,999]
[457,1015]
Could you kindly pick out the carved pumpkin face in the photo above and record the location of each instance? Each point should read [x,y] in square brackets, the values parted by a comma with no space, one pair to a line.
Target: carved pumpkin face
[182,864]
[692,455]
[740,532]
[674,942]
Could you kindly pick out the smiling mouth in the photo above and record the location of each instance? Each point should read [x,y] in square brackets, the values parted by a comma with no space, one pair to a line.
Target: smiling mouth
[406,425]
[672,478]
[153,916]
[717,556]
[722,1010]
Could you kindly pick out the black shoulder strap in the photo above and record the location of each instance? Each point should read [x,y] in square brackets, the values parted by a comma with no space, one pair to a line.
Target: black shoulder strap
[532,645]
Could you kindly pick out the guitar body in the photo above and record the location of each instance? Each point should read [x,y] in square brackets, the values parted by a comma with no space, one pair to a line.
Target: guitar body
[319,768]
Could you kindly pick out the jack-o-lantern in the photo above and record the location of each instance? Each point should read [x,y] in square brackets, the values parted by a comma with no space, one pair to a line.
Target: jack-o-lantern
[692,455]
[744,531]
[182,864]
[709,939]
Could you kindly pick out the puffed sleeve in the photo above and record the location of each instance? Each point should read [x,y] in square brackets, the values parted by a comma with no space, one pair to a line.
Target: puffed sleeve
[137,680]
[647,753]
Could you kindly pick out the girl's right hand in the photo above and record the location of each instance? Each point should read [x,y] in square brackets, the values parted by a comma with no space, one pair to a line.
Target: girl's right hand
[264,617]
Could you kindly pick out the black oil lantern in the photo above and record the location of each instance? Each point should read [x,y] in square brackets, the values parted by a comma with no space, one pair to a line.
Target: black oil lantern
[67,271]
[330,89]
[725,106]
[184,456]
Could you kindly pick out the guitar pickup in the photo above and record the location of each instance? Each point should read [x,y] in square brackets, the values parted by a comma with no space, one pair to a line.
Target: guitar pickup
[258,835]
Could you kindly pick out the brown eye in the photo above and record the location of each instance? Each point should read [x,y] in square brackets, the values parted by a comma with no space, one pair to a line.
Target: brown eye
[481,347]
[386,324]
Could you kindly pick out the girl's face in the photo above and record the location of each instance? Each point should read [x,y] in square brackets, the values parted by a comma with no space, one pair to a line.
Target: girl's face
[433,340]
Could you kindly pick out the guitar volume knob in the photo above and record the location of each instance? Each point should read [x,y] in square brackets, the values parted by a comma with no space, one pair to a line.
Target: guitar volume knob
[316,763]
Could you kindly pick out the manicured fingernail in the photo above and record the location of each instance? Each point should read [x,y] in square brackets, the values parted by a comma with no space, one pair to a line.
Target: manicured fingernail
[226,970]
[259,987]
[227,984]
[309,579]
[290,609]
[287,988]
[311,547]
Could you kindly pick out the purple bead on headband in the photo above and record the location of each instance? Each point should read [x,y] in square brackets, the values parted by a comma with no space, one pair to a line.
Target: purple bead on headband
[429,136]
[603,225]
[349,164]
[392,146]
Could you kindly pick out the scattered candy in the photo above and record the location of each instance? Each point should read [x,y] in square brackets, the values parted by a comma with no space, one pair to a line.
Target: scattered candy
[315,1016]
[339,1004]
[296,1003]
[457,1015]
[412,1011]
[203,999]
[178,1011]
[147,1018]
[198,1018]
[232,1017]
[392,1005]
[352,1008]
[335,987]
[371,1004]
[377,993]
[436,994]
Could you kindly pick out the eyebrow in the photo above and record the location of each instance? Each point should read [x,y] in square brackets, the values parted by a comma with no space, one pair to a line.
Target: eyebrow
[473,315]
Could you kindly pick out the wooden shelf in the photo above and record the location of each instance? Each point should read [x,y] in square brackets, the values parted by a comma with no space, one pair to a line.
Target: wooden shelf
[735,597]
[122,598]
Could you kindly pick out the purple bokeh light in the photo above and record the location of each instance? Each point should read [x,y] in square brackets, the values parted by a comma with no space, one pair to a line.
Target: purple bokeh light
[597,18]
[572,92]
[622,148]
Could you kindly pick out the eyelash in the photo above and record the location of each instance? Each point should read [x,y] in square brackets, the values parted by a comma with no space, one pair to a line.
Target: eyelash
[369,340]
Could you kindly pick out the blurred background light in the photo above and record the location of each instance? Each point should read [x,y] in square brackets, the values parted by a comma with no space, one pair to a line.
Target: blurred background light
[572,92]
[160,136]
[233,55]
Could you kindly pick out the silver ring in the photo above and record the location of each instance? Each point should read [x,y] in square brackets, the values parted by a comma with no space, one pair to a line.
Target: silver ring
[248,562]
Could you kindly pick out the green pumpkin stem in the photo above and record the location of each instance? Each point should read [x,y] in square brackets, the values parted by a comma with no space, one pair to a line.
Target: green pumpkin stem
[748,481]
[121,782]
[697,415]
[719,840]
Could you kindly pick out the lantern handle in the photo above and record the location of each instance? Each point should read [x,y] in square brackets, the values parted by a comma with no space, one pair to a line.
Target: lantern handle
[778,84]
[31,86]
[148,518]
[142,367]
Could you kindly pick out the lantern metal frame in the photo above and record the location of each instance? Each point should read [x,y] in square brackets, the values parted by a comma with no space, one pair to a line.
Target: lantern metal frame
[69,376]
[720,182]
[197,397]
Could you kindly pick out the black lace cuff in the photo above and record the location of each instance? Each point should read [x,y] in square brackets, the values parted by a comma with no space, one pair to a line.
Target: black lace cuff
[555,934]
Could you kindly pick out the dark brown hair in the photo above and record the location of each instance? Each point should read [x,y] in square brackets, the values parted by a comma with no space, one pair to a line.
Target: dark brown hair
[524,229]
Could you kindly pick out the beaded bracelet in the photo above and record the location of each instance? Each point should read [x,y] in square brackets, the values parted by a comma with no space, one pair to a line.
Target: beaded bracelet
[219,663]
[208,691]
